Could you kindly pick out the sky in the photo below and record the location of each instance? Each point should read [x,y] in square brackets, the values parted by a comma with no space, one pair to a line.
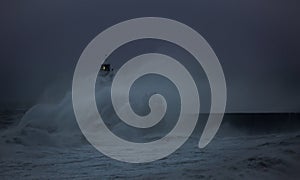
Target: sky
[257,43]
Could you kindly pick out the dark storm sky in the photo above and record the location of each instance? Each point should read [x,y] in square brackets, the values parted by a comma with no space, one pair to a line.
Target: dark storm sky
[257,42]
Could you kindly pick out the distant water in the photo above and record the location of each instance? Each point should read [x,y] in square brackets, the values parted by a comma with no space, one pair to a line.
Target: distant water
[11,116]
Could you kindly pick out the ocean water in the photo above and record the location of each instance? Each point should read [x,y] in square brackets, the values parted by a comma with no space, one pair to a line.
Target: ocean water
[44,142]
